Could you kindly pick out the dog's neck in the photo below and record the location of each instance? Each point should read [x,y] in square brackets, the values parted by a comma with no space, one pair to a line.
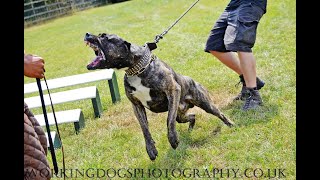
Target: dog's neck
[141,62]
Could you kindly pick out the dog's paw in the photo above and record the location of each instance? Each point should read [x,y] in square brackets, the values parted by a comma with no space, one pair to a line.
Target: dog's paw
[230,123]
[192,121]
[227,121]
[173,139]
[152,151]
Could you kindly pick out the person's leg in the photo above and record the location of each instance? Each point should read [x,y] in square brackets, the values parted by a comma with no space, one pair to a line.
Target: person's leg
[240,37]
[229,59]
[232,61]
[248,66]
[216,46]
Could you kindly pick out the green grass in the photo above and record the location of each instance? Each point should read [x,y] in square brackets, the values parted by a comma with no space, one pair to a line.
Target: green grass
[265,138]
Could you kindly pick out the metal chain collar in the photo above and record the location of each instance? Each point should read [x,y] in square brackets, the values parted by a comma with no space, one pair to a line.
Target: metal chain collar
[142,64]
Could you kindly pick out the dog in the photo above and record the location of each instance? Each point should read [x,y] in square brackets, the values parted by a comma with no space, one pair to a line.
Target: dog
[151,83]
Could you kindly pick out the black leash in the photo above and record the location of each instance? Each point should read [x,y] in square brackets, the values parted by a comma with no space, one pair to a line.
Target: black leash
[158,37]
[53,155]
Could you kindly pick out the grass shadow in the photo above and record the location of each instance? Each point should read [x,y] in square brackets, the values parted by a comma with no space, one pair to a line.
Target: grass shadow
[261,114]
[176,158]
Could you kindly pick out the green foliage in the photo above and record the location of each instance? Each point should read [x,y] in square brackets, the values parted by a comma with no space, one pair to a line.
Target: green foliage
[264,138]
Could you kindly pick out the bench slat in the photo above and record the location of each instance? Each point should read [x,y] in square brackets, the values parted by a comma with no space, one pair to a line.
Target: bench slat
[62,117]
[73,115]
[97,75]
[62,97]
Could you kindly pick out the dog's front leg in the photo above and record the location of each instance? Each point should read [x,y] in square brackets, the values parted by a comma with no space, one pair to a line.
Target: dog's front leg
[173,95]
[140,113]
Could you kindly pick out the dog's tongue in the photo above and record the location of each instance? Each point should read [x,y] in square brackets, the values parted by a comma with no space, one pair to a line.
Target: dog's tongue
[95,62]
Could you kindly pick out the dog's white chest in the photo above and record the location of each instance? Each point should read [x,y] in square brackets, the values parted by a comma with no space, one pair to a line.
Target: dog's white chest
[141,92]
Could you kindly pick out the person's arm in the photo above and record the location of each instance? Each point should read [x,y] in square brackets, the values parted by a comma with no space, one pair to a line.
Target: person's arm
[33,66]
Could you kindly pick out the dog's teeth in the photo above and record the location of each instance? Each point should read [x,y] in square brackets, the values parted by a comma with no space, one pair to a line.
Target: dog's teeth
[104,57]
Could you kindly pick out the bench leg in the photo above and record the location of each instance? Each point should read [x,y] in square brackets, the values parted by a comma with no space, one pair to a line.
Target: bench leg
[96,103]
[80,124]
[57,142]
[114,90]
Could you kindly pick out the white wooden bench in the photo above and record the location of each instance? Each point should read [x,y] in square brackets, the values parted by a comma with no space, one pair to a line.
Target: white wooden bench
[90,92]
[75,116]
[74,95]
[97,75]
[55,139]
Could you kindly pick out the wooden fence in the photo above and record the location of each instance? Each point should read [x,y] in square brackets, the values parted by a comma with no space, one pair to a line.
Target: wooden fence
[36,11]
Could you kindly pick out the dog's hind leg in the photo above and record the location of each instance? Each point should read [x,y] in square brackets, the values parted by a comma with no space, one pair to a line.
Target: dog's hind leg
[201,98]
[183,117]
[140,113]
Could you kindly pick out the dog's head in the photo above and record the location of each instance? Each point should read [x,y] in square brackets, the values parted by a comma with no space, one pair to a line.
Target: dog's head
[111,51]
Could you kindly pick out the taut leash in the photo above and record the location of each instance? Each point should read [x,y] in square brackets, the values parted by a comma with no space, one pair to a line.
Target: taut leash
[52,151]
[160,36]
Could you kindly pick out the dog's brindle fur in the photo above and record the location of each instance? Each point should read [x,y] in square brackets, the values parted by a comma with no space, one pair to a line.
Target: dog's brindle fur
[157,88]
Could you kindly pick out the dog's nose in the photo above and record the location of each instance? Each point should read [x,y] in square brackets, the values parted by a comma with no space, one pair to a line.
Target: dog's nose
[89,67]
[87,36]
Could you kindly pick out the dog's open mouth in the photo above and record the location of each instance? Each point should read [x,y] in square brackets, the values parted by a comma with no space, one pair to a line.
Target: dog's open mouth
[98,61]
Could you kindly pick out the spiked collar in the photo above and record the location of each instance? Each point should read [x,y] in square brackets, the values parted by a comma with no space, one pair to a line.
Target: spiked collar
[142,63]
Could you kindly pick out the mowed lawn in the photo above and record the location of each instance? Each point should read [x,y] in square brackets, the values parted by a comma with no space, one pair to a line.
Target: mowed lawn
[261,145]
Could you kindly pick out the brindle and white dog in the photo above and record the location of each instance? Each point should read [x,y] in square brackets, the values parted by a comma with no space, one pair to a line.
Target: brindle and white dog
[150,83]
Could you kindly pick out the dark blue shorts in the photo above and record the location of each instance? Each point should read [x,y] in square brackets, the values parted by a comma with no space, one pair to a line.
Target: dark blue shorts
[235,30]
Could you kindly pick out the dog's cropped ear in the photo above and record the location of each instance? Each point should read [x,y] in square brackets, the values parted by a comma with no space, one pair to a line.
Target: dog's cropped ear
[127,44]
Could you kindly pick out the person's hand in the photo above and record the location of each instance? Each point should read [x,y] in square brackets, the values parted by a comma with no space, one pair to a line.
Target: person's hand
[33,66]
